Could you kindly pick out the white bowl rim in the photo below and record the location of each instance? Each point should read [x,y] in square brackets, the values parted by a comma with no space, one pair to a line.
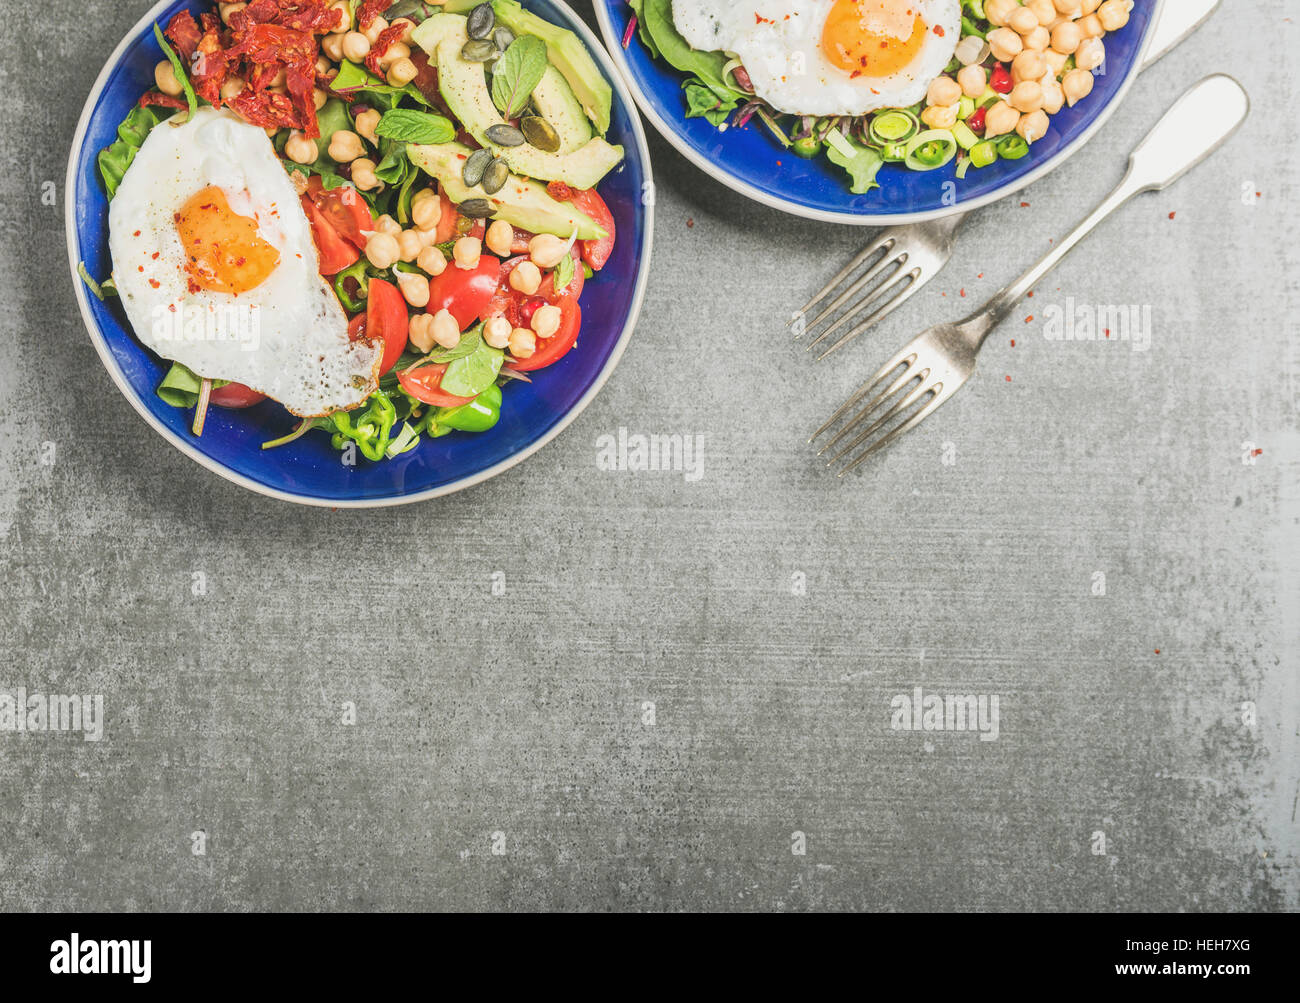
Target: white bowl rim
[190,450]
[615,45]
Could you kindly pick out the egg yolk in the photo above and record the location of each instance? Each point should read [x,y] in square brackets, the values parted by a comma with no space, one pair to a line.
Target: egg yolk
[224,252]
[872,38]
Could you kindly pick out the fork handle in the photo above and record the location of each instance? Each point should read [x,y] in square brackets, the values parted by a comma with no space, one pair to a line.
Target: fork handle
[1197,125]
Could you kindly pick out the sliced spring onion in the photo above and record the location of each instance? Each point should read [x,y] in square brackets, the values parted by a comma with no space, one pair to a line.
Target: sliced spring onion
[836,139]
[963,165]
[984,153]
[893,153]
[930,150]
[773,128]
[91,284]
[405,440]
[965,138]
[894,127]
[965,107]
[1012,147]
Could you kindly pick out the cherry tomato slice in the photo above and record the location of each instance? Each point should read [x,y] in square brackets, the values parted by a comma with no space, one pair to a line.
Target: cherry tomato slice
[465,292]
[344,208]
[595,252]
[235,395]
[424,385]
[446,228]
[552,349]
[334,252]
[385,318]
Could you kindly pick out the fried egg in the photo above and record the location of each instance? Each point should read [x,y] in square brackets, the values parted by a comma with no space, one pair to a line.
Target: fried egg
[829,57]
[214,260]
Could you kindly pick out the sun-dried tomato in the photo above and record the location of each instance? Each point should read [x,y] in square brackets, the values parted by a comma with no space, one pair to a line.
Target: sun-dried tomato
[370,10]
[383,42]
[301,15]
[159,98]
[184,34]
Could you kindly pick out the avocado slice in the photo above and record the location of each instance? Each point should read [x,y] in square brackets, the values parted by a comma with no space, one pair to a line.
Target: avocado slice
[522,202]
[555,101]
[464,87]
[566,51]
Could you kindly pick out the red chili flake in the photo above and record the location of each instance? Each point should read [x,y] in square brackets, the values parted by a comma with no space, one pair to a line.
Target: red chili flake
[963,292]
[141,268]
[1013,342]
[1029,319]
[980,275]
[938,30]
[1008,379]
[1030,294]
[1257,452]
[1172,215]
[1024,205]
[154,283]
[137,232]
[1157,651]
[690,223]
[559,191]
[155,255]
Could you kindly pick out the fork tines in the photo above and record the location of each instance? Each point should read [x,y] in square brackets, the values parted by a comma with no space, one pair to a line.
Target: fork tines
[898,404]
[893,282]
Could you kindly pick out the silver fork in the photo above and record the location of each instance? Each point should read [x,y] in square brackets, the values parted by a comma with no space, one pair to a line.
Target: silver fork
[938,362]
[907,257]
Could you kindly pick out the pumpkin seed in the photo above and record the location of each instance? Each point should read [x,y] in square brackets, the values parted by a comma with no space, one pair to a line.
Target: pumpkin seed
[476,208]
[504,135]
[479,51]
[472,172]
[496,176]
[481,21]
[503,36]
[540,133]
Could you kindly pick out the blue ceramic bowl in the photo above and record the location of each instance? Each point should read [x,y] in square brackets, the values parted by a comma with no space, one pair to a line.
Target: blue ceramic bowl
[750,161]
[309,471]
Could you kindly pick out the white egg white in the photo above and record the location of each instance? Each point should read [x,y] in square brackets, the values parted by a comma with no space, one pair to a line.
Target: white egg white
[287,337]
[779,43]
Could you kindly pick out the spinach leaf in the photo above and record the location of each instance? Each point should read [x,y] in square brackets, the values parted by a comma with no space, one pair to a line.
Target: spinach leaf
[353,79]
[180,387]
[701,102]
[415,127]
[468,345]
[116,158]
[517,72]
[393,166]
[862,163]
[332,117]
[471,375]
[181,74]
[328,178]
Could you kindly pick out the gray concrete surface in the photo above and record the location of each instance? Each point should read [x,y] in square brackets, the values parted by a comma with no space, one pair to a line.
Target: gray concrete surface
[1146,755]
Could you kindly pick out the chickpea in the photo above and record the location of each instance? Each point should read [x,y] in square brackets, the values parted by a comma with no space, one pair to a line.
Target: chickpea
[396,51]
[332,46]
[300,149]
[500,235]
[1090,26]
[525,278]
[407,26]
[1044,10]
[1066,37]
[496,332]
[231,90]
[1026,96]
[1029,65]
[344,8]
[345,146]
[1053,96]
[382,250]
[997,11]
[1087,7]
[363,174]
[939,116]
[318,98]
[1067,8]
[943,91]
[415,289]
[1033,127]
[1055,61]
[356,46]
[165,77]
[429,237]
[1022,21]
[1090,54]
[410,244]
[1005,44]
[546,320]
[1038,39]
[523,343]
[376,26]
[426,210]
[432,261]
[446,329]
[466,252]
[386,224]
[365,124]
[323,64]
[1000,119]
[1076,85]
[973,80]
[401,73]
[546,250]
[226,9]
[281,79]
[1113,14]
[419,331]
[299,181]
